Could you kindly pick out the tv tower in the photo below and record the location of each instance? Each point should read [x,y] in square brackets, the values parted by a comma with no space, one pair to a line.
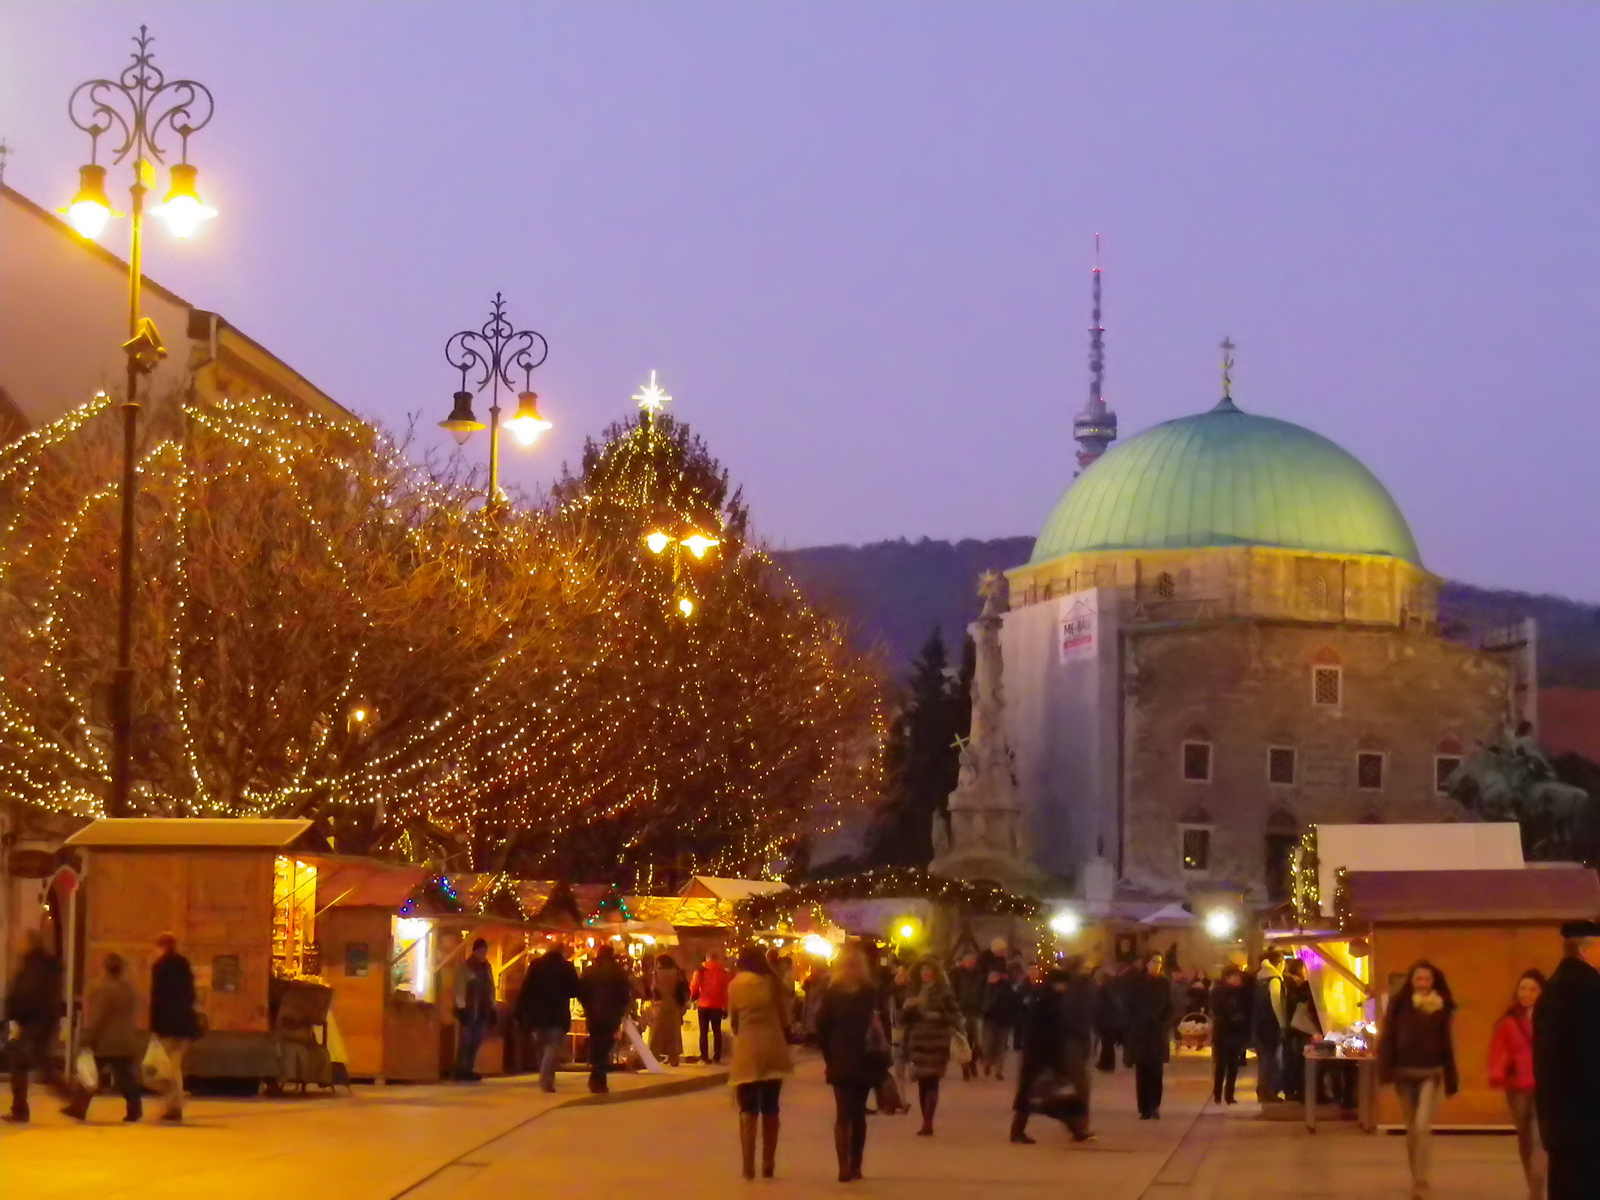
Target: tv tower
[1095,428]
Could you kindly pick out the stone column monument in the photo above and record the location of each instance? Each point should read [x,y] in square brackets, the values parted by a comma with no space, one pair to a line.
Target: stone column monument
[981,834]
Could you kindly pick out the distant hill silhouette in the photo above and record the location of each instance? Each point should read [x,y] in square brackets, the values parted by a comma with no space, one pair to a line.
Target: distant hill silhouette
[895,593]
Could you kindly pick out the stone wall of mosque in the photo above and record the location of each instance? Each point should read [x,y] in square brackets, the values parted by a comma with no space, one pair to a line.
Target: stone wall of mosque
[1237,734]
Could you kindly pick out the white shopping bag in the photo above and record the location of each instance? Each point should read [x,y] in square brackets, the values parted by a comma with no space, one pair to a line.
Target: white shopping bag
[86,1071]
[156,1069]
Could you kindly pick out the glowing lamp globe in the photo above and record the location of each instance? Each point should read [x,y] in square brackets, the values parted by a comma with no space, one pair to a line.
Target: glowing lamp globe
[183,210]
[698,543]
[686,607]
[1066,924]
[461,423]
[90,210]
[818,946]
[658,541]
[1221,924]
[527,424]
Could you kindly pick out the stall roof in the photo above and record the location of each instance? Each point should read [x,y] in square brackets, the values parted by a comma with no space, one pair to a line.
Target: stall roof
[350,882]
[248,833]
[731,889]
[683,912]
[1555,893]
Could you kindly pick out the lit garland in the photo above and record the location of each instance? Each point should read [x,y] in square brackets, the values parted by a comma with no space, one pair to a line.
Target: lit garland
[890,883]
[525,672]
[1307,869]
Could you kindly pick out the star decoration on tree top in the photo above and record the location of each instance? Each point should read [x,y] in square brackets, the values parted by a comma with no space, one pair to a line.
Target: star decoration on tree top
[651,397]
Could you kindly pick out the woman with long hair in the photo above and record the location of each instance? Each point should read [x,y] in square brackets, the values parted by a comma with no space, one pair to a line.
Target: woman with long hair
[853,1035]
[757,1015]
[1416,1053]
[1511,1070]
[931,1016]
[671,994]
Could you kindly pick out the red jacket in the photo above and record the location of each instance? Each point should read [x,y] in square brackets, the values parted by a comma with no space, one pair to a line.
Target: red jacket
[711,986]
[1511,1054]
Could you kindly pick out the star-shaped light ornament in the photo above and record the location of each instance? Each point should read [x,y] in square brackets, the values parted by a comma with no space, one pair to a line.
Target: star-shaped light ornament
[652,398]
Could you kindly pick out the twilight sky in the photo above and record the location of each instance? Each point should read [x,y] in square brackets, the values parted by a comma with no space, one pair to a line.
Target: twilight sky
[854,238]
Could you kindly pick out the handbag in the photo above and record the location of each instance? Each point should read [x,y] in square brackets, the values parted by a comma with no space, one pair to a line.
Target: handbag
[960,1048]
[86,1071]
[1301,1021]
[889,1098]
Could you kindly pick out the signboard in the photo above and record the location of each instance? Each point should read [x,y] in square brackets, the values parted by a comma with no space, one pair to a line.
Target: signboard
[1078,626]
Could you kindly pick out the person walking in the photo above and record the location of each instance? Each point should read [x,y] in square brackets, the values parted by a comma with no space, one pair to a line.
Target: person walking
[1416,1053]
[1147,1049]
[1267,1020]
[968,983]
[544,1009]
[1002,1010]
[33,1011]
[756,1015]
[110,1032]
[1056,1041]
[606,992]
[173,1020]
[474,1009]
[709,990]
[1566,1065]
[1111,1016]
[853,1035]
[1511,1071]
[1302,1024]
[1230,1033]
[932,1017]
[671,995]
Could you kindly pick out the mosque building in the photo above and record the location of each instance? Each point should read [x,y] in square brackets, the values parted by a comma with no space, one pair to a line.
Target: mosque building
[1225,633]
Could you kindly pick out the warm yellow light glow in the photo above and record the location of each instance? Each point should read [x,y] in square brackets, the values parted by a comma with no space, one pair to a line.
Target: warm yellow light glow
[658,542]
[1221,924]
[183,210]
[698,544]
[908,931]
[90,210]
[648,939]
[1066,923]
[651,397]
[527,425]
[359,715]
[819,947]
[686,607]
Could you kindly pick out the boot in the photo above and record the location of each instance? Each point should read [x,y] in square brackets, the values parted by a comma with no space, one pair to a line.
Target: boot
[841,1146]
[747,1143]
[1019,1130]
[769,1144]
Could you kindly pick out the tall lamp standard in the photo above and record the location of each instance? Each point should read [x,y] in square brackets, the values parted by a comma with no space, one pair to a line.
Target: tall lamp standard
[136,109]
[494,352]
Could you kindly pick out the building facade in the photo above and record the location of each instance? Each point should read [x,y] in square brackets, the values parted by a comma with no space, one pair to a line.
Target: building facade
[1225,634]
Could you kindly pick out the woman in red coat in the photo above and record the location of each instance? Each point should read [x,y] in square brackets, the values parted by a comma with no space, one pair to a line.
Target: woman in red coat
[1511,1070]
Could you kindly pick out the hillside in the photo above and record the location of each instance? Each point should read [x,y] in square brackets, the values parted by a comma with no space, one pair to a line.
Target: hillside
[896,593]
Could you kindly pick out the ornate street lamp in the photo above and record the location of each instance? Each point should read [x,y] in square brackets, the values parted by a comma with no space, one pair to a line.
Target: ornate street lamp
[494,352]
[135,112]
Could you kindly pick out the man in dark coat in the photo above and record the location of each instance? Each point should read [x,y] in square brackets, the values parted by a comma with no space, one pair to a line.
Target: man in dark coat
[1566,1065]
[968,981]
[544,1009]
[173,1020]
[1149,1043]
[474,1009]
[1054,1077]
[33,1004]
[607,992]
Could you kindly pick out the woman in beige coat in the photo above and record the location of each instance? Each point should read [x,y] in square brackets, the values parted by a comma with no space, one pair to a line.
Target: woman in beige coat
[760,1057]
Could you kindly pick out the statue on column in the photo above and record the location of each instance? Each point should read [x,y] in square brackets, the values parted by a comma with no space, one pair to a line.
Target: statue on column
[979,836]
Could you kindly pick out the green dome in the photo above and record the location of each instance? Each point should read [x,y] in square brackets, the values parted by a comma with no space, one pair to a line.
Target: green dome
[1227,478]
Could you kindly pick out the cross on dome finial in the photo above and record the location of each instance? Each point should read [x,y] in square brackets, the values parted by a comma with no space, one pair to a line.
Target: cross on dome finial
[651,397]
[1227,367]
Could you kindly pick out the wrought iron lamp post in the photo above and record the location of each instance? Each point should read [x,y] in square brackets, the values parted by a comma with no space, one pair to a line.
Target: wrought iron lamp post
[137,110]
[493,352]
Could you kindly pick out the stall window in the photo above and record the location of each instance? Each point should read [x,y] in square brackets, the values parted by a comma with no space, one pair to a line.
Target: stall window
[413,964]
[1197,762]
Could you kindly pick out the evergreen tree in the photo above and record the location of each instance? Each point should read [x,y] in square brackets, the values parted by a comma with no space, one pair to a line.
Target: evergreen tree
[922,757]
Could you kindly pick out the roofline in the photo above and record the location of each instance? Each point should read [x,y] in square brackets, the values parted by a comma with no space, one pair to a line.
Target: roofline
[226,328]
[1271,548]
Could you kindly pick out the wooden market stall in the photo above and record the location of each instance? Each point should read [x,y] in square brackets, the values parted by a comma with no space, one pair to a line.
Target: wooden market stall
[1482,928]
[217,887]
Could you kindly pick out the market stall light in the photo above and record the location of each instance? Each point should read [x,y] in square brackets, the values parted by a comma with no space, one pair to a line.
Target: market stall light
[1221,924]
[818,946]
[1066,923]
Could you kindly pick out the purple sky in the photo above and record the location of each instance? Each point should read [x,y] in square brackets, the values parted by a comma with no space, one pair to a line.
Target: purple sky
[854,238]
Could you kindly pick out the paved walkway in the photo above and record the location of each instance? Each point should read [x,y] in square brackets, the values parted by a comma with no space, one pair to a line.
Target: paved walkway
[506,1139]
